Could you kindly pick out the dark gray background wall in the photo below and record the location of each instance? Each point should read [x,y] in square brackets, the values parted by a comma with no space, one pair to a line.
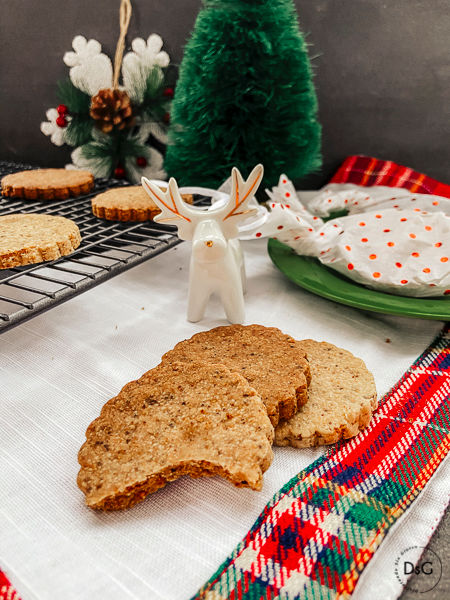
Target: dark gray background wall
[382,74]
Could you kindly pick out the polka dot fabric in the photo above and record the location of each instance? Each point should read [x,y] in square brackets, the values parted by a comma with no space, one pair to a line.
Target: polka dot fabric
[284,194]
[402,249]
[356,199]
[400,252]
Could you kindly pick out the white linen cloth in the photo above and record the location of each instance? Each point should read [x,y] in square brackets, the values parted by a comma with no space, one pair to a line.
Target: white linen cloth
[57,371]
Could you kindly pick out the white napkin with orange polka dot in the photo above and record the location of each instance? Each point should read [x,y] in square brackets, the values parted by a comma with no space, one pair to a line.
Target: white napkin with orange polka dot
[390,240]
[356,198]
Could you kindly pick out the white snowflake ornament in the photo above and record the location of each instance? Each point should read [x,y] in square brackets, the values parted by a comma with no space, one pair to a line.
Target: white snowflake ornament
[153,170]
[52,129]
[138,64]
[149,53]
[91,70]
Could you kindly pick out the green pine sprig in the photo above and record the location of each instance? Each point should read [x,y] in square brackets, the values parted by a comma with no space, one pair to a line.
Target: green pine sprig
[78,103]
[110,150]
[154,104]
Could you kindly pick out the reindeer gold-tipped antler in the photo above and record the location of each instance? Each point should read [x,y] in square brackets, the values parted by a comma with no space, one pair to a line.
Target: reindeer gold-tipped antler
[170,201]
[172,207]
[242,191]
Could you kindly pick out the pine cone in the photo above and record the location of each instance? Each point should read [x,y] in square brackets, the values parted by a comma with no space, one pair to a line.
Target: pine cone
[111,108]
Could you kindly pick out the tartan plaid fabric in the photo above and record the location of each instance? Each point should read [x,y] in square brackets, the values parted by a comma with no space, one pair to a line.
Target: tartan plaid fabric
[321,529]
[7,592]
[366,170]
[314,538]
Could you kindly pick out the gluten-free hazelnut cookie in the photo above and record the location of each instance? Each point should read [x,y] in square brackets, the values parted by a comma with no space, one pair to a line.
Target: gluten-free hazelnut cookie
[47,184]
[34,238]
[129,203]
[178,419]
[272,362]
[342,398]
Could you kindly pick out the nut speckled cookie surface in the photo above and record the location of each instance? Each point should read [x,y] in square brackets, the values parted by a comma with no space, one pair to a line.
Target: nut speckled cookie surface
[47,184]
[342,397]
[129,203]
[177,419]
[34,238]
[272,362]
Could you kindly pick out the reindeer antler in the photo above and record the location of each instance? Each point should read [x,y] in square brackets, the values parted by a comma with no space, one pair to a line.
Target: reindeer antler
[242,191]
[170,201]
[172,207]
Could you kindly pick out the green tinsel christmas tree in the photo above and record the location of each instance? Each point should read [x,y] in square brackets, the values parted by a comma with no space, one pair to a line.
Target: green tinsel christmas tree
[244,95]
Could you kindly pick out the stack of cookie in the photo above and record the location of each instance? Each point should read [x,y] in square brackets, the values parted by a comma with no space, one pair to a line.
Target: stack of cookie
[215,405]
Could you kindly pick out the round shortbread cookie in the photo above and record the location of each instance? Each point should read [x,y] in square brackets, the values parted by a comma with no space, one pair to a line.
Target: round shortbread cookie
[177,419]
[272,362]
[47,184]
[129,203]
[35,238]
[341,399]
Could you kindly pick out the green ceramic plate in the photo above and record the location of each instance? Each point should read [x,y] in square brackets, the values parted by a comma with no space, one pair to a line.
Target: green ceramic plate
[312,275]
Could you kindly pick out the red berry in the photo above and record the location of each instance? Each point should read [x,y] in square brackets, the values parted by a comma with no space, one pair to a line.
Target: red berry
[168,92]
[61,121]
[166,118]
[119,172]
[141,161]
[62,109]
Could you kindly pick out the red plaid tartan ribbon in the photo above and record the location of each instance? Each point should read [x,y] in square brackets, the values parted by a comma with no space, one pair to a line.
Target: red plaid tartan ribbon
[318,533]
[366,170]
[7,592]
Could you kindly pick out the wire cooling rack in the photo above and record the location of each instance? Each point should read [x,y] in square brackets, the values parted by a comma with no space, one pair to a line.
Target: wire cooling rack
[107,249]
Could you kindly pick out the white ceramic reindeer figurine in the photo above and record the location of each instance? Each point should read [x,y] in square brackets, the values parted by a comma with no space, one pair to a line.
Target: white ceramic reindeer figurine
[216,262]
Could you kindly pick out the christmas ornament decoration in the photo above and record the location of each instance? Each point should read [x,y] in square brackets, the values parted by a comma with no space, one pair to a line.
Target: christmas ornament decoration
[244,95]
[116,129]
[217,262]
[383,244]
